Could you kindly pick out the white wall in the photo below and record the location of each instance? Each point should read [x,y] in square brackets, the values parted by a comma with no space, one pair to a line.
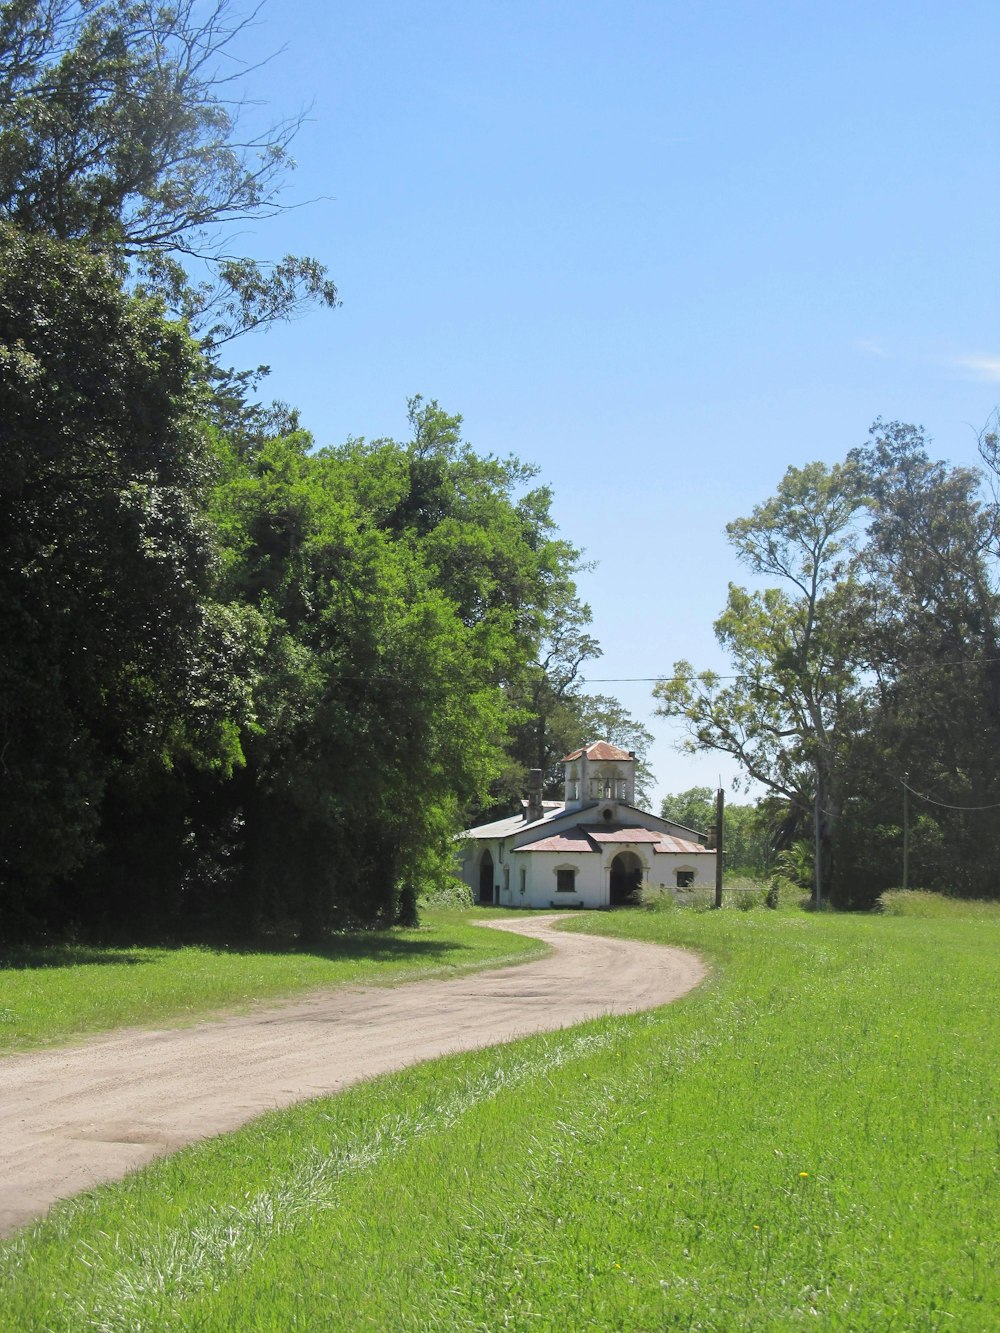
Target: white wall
[592,878]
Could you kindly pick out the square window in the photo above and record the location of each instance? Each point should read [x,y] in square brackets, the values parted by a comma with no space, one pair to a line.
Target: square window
[565,881]
[685,879]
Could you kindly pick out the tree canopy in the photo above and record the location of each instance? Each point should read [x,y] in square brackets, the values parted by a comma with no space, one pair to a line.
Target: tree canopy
[870,662]
[123,126]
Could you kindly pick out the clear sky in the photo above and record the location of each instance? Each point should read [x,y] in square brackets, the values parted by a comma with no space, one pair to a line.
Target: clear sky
[662,250]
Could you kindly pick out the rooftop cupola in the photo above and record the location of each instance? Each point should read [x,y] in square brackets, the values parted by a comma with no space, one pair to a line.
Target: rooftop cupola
[599,772]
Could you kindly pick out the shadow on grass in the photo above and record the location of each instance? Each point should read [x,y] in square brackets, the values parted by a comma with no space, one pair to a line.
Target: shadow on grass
[352,948]
[30,957]
[367,945]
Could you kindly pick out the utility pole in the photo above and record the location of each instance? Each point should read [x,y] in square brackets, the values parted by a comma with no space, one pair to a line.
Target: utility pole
[720,809]
[817,850]
[906,832]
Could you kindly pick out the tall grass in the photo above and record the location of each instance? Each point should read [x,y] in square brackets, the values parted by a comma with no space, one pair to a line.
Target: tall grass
[811,1139]
[921,902]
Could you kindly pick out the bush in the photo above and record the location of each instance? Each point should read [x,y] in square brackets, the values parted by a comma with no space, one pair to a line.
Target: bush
[657,900]
[783,892]
[449,891]
[747,899]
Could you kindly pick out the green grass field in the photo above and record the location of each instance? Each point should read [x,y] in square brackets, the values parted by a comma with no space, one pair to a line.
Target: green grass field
[58,993]
[811,1139]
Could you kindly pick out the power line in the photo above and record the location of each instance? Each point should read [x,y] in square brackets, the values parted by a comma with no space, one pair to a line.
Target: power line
[944,804]
[693,677]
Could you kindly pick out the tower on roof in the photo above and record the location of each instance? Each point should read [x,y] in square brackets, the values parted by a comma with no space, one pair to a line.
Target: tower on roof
[599,772]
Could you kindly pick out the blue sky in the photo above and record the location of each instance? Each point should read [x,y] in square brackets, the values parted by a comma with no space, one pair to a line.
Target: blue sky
[661,250]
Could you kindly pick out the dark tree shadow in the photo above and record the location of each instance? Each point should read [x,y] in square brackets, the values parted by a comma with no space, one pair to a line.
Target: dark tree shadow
[368,945]
[31,956]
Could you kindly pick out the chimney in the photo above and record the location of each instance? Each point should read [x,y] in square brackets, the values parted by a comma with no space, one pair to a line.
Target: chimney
[533,810]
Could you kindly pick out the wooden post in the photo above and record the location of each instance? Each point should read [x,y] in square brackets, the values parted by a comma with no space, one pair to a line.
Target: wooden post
[817,852]
[906,833]
[720,807]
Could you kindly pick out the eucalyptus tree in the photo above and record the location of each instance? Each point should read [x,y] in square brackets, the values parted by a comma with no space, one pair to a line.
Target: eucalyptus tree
[124,126]
[927,617]
[795,693]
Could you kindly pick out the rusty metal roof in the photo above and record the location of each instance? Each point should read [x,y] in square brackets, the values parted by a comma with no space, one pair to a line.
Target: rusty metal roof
[623,833]
[591,837]
[571,840]
[599,750]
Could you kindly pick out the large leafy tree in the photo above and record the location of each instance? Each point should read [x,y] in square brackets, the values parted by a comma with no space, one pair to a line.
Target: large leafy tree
[925,622]
[403,586]
[122,127]
[787,710]
[114,663]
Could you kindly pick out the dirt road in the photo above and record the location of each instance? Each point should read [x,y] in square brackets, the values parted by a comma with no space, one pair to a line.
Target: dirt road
[72,1118]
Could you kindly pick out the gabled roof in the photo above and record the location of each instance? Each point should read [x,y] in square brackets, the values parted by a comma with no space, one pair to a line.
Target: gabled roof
[599,750]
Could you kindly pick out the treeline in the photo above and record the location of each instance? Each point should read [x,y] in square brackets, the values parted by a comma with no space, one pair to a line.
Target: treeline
[865,685]
[245,685]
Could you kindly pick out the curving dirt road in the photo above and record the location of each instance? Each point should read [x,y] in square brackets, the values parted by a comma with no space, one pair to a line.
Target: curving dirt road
[72,1118]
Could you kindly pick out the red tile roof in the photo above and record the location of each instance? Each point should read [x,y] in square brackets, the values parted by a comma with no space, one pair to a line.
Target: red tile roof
[599,750]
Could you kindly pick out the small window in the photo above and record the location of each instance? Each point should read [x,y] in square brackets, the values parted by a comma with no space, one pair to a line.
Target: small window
[565,881]
[500,852]
[524,879]
[685,879]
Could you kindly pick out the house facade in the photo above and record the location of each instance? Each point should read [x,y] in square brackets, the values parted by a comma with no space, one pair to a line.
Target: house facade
[594,848]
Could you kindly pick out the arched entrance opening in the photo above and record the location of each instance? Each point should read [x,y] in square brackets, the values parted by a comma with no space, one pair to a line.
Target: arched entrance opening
[626,878]
[486,879]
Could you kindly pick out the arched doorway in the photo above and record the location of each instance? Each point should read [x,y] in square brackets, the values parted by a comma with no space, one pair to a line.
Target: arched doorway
[486,879]
[626,877]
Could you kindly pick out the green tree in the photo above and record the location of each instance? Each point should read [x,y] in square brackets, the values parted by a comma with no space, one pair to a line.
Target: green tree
[115,664]
[403,585]
[122,126]
[925,624]
[693,808]
[786,712]
[745,829]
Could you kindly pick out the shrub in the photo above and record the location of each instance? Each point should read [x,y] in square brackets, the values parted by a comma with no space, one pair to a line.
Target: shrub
[657,900]
[448,891]
[747,899]
[783,892]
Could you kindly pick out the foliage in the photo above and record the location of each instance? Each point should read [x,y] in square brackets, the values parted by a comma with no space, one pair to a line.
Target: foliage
[846,1162]
[877,658]
[747,834]
[786,713]
[122,126]
[116,664]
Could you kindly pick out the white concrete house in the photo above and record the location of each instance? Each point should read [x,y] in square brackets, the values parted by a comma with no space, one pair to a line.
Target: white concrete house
[592,849]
